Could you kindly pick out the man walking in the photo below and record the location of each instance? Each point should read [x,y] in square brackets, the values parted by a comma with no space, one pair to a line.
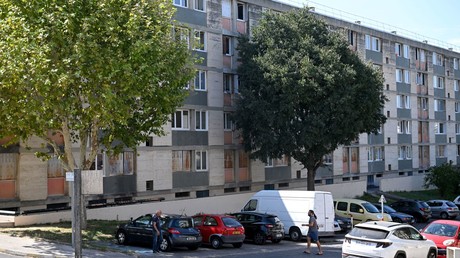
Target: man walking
[312,234]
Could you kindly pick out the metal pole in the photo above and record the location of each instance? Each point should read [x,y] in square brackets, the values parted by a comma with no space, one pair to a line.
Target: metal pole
[76,213]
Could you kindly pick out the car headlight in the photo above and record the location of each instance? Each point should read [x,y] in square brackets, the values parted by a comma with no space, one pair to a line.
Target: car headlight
[379,216]
[448,242]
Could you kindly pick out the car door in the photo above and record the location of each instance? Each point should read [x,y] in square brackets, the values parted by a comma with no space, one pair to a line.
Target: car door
[416,244]
[436,208]
[357,211]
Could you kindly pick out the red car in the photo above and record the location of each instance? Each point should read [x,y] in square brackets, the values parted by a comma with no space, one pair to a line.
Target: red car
[218,229]
[444,233]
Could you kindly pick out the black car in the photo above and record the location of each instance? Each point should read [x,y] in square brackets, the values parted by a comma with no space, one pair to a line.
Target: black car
[261,227]
[419,209]
[395,215]
[343,222]
[177,231]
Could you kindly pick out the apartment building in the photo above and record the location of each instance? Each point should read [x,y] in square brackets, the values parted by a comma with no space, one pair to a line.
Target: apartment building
[201,154]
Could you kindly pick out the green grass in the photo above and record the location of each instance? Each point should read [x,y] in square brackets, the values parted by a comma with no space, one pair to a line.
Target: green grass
[97,230]
[417,195]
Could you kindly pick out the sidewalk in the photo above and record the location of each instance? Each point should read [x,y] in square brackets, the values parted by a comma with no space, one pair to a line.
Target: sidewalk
[29,247]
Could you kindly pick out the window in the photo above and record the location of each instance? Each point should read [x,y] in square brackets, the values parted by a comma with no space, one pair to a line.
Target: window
[439,128]
[440,151]
[372,43]
[269,162]
[181,160]
[405,152]
[406,76]
[403,101]
[327,159]
[227,45]
[199,42]
[200,80]
[398,49]
[457,104]
[180,120]
[420,79]
[182,3]
[228,83]
[201,161]
[420,55]
[456,63]
[199,5]
[399,76]
[437,59]
[438,82]
[351,37]
[201,120]
[457,128]
[375,153]
[439,105]
[456,85]
[423,103]
[121,164]
[406,49]
[181,34]
[228,123]
[241,11]
[404,127]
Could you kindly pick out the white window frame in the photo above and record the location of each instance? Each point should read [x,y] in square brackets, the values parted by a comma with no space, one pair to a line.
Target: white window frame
[398,49]
[455,63]
[420,78]
[181,3]
[456,83]
[199,40]
[439,105]
[440,150]
[439,128]
[269,163]
[399,75]
[403,101]
[457,128]
[457,107]
[201,120]
[201,160]
[406,76]
[423,103]
[227,40]
[405,152]
[196,5]
[238,4]
[406,51]
[199,82]
[184,34]
[372,43]
[184,120]
[404,127]
[438,82]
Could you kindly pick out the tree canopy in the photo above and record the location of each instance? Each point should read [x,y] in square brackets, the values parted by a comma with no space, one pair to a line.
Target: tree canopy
[445,177]
[303,91]
[105,72]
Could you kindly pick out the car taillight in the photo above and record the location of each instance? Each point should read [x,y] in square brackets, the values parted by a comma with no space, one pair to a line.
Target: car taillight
[450,209]
[383,244]
[173,231]
[268,225]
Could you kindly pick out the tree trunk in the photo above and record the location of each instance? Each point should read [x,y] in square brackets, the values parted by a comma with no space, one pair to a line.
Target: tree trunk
[311,172]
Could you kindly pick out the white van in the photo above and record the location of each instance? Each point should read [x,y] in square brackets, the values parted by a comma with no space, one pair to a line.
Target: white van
[292,208]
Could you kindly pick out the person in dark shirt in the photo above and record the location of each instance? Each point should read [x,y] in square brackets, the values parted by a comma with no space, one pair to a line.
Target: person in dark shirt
[157,236]
[312,234]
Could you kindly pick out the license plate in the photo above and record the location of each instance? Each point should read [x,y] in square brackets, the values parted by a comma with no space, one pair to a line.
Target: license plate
[236,232]
[364,243]
[191,238]
[279,235]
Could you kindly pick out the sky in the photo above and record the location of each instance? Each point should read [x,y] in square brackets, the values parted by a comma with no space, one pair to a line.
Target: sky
[435,21]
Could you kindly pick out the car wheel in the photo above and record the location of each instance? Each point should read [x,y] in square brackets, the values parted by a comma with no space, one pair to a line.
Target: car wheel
[276,241]
[432,254]
[294,234]
[216,243]
[400,256]
[444,215]
[122,238]
[237,245]
[259,238]
[165,245]
[193,247]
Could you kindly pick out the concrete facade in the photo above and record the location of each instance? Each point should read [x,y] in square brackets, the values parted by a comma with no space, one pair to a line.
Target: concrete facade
[200,163]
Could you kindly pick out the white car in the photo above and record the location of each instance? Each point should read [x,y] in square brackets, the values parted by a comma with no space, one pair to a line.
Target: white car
[387,239]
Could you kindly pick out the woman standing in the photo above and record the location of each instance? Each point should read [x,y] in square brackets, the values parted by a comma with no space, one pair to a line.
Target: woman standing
[313,233]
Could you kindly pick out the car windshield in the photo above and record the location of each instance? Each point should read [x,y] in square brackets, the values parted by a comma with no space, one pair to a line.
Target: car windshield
[368,233]
[441,229]
[231,222]
[388,209]
[370,208]
[183,223]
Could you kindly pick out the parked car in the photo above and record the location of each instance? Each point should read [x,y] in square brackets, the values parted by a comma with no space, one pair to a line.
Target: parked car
[219,229]
[419,209]
[261,227]
[457,201]
[444,233]
[387,239]
[443,209]
[358,210]
[395,215]
[343,224]
[177,231]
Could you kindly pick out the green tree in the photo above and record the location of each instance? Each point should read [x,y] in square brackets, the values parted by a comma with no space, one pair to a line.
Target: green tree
[303,91]
[105,72]
[445,178]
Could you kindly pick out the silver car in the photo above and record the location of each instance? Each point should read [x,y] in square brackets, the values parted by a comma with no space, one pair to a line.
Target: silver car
[443,209]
